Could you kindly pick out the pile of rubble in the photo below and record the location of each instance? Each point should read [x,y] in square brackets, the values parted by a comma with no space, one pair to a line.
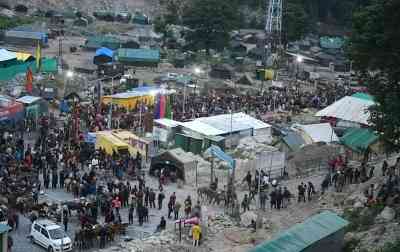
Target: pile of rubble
[249,146]
[165,240]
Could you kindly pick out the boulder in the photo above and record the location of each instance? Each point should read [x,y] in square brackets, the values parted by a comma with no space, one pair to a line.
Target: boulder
[247,217]
[358,204]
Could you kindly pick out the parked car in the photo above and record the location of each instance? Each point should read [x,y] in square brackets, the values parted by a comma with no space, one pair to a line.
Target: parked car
[50,236]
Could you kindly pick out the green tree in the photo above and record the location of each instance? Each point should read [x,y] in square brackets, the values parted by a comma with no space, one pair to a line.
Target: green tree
[375,49]
[295,20]
[210,22]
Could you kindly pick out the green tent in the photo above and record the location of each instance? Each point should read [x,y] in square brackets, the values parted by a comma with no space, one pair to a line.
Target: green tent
[363,96]
[302,237]
[47,66]
[359,139]
[138,57]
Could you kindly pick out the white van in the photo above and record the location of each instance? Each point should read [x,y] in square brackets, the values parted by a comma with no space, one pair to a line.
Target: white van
[50,236]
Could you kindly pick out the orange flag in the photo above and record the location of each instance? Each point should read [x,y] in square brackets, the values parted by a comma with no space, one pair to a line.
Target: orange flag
[29,81]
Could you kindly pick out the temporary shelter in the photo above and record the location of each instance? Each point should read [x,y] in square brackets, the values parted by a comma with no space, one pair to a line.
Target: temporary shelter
[135,143]
[26,38]
[138,57]
[34,106]
[24,57]
[111,144]
[137,96]
[232,127]
[348,109]
[10,110]
[227,123]
[103,55]
[96,42]
[359,140]
[174,160]
[7,58]
[321,232]
[321,132]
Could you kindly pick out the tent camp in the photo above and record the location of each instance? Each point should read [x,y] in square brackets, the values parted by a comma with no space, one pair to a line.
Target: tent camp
[348,109]
[321,232]
[172,161]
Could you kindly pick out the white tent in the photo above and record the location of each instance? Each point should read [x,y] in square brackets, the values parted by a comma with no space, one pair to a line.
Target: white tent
[7,55]
[351,109]
[321,132]
[224,124]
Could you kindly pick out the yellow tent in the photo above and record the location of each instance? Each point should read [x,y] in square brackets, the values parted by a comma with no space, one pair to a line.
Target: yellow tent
[129,102]
[23,56]
[135,143]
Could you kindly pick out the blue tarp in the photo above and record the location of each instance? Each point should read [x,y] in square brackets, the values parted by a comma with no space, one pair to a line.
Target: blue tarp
[90,137]
[64,108]
[104,51]
[215,150]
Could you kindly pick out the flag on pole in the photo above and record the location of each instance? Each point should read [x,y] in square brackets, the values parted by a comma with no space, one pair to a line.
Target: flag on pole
[29,81]
[38,55]
[168,109]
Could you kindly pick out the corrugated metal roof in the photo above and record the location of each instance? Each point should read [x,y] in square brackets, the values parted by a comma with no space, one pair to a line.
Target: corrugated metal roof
[7,55]
[224,124]
[303,235]
[349,109]
[26,34]
[202,128]
[167,122]
[294,140]
[359,139]
[321,132]
[135,55]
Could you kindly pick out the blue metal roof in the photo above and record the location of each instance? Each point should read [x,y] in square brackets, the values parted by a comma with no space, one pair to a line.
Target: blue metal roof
[104,51]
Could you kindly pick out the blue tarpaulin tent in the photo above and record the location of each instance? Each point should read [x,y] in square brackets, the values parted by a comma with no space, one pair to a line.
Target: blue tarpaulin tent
[103,55]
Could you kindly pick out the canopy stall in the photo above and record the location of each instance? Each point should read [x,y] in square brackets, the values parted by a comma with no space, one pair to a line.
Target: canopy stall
[141,95]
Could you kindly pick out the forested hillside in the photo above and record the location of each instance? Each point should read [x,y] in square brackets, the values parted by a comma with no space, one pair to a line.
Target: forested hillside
[301,16]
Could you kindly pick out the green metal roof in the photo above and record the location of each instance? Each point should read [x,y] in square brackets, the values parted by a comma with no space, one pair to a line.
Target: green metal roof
[359,139]
[363,96]
[103,41]
[138,55]
[4,228]
[303,235]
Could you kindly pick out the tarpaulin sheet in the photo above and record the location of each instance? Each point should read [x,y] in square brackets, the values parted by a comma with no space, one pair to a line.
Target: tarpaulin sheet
[305,234]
